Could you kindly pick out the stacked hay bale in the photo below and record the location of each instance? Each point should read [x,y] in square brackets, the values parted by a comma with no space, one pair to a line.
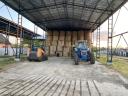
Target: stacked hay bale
[67,45]
[74,37]
[48,42]
[81,35]
[60,43]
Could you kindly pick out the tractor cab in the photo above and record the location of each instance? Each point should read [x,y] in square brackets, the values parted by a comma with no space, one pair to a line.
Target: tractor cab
[81,45]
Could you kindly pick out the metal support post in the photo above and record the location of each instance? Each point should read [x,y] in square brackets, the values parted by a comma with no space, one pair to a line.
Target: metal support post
[109,42]
[21,41]
[34,35]
[92,41]
[93,37]
[7,38]
[98,43]
[19,34]
[31,41]
[35,31]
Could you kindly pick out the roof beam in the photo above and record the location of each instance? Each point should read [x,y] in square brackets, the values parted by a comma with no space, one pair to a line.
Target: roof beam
[62,19]
[57,8]
[65,8]
[38,11]
[93,10]
[34,6]
[48,6]
[20,10]
[17,10]
[109,5]
[83,9]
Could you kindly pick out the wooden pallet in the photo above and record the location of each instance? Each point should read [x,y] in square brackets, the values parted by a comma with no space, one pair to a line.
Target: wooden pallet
[50,86]
[47,86]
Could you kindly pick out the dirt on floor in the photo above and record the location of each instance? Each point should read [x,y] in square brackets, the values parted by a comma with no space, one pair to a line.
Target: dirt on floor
[65,68]
[22,78]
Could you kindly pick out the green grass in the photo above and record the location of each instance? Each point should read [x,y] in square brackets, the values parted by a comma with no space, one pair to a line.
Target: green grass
[23,57]
[120,65]
[6,60]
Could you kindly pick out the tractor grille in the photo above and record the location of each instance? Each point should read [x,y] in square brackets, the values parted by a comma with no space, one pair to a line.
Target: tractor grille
[83,52]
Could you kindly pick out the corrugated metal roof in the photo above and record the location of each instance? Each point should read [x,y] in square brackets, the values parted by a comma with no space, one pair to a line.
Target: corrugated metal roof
[66,14]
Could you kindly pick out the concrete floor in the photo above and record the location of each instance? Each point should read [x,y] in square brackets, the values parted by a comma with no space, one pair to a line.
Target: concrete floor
[99,80]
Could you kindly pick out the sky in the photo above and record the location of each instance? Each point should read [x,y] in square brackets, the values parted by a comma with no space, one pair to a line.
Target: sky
[120,27]
[12,15]
[4,12]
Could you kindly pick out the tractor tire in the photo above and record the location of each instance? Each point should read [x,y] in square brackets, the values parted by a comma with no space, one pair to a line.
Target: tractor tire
[76,59]
[92,58]
[44,58]
[29,59]
[40,59]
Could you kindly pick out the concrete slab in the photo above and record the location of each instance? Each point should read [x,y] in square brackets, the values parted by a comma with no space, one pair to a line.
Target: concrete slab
[60,77]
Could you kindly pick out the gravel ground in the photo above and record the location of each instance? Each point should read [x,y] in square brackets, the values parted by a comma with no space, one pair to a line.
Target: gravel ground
[107,80]
[64,68]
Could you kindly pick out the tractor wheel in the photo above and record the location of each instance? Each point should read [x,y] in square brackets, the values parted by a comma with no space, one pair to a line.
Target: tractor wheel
[92,58]
[29,59]
[76,59]
[40,59]
[44,58]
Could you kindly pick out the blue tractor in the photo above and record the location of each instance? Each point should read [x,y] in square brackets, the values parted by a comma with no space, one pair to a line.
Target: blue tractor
[81,52]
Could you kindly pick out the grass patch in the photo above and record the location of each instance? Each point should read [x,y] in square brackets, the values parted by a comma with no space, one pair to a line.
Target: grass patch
[6,60]
[23,57]
[120,65]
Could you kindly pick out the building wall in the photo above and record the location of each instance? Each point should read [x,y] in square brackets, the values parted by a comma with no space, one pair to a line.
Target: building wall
[11,52]
[62,41]
[3,45]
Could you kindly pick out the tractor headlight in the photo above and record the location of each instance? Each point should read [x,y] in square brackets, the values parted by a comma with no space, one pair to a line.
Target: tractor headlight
[76,49]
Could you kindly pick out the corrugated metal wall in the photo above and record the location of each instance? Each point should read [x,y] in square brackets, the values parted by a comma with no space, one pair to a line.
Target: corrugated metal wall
[62,41]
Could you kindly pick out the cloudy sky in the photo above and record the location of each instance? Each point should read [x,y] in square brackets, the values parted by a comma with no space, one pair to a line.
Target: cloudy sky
[12,15]
[120,27]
